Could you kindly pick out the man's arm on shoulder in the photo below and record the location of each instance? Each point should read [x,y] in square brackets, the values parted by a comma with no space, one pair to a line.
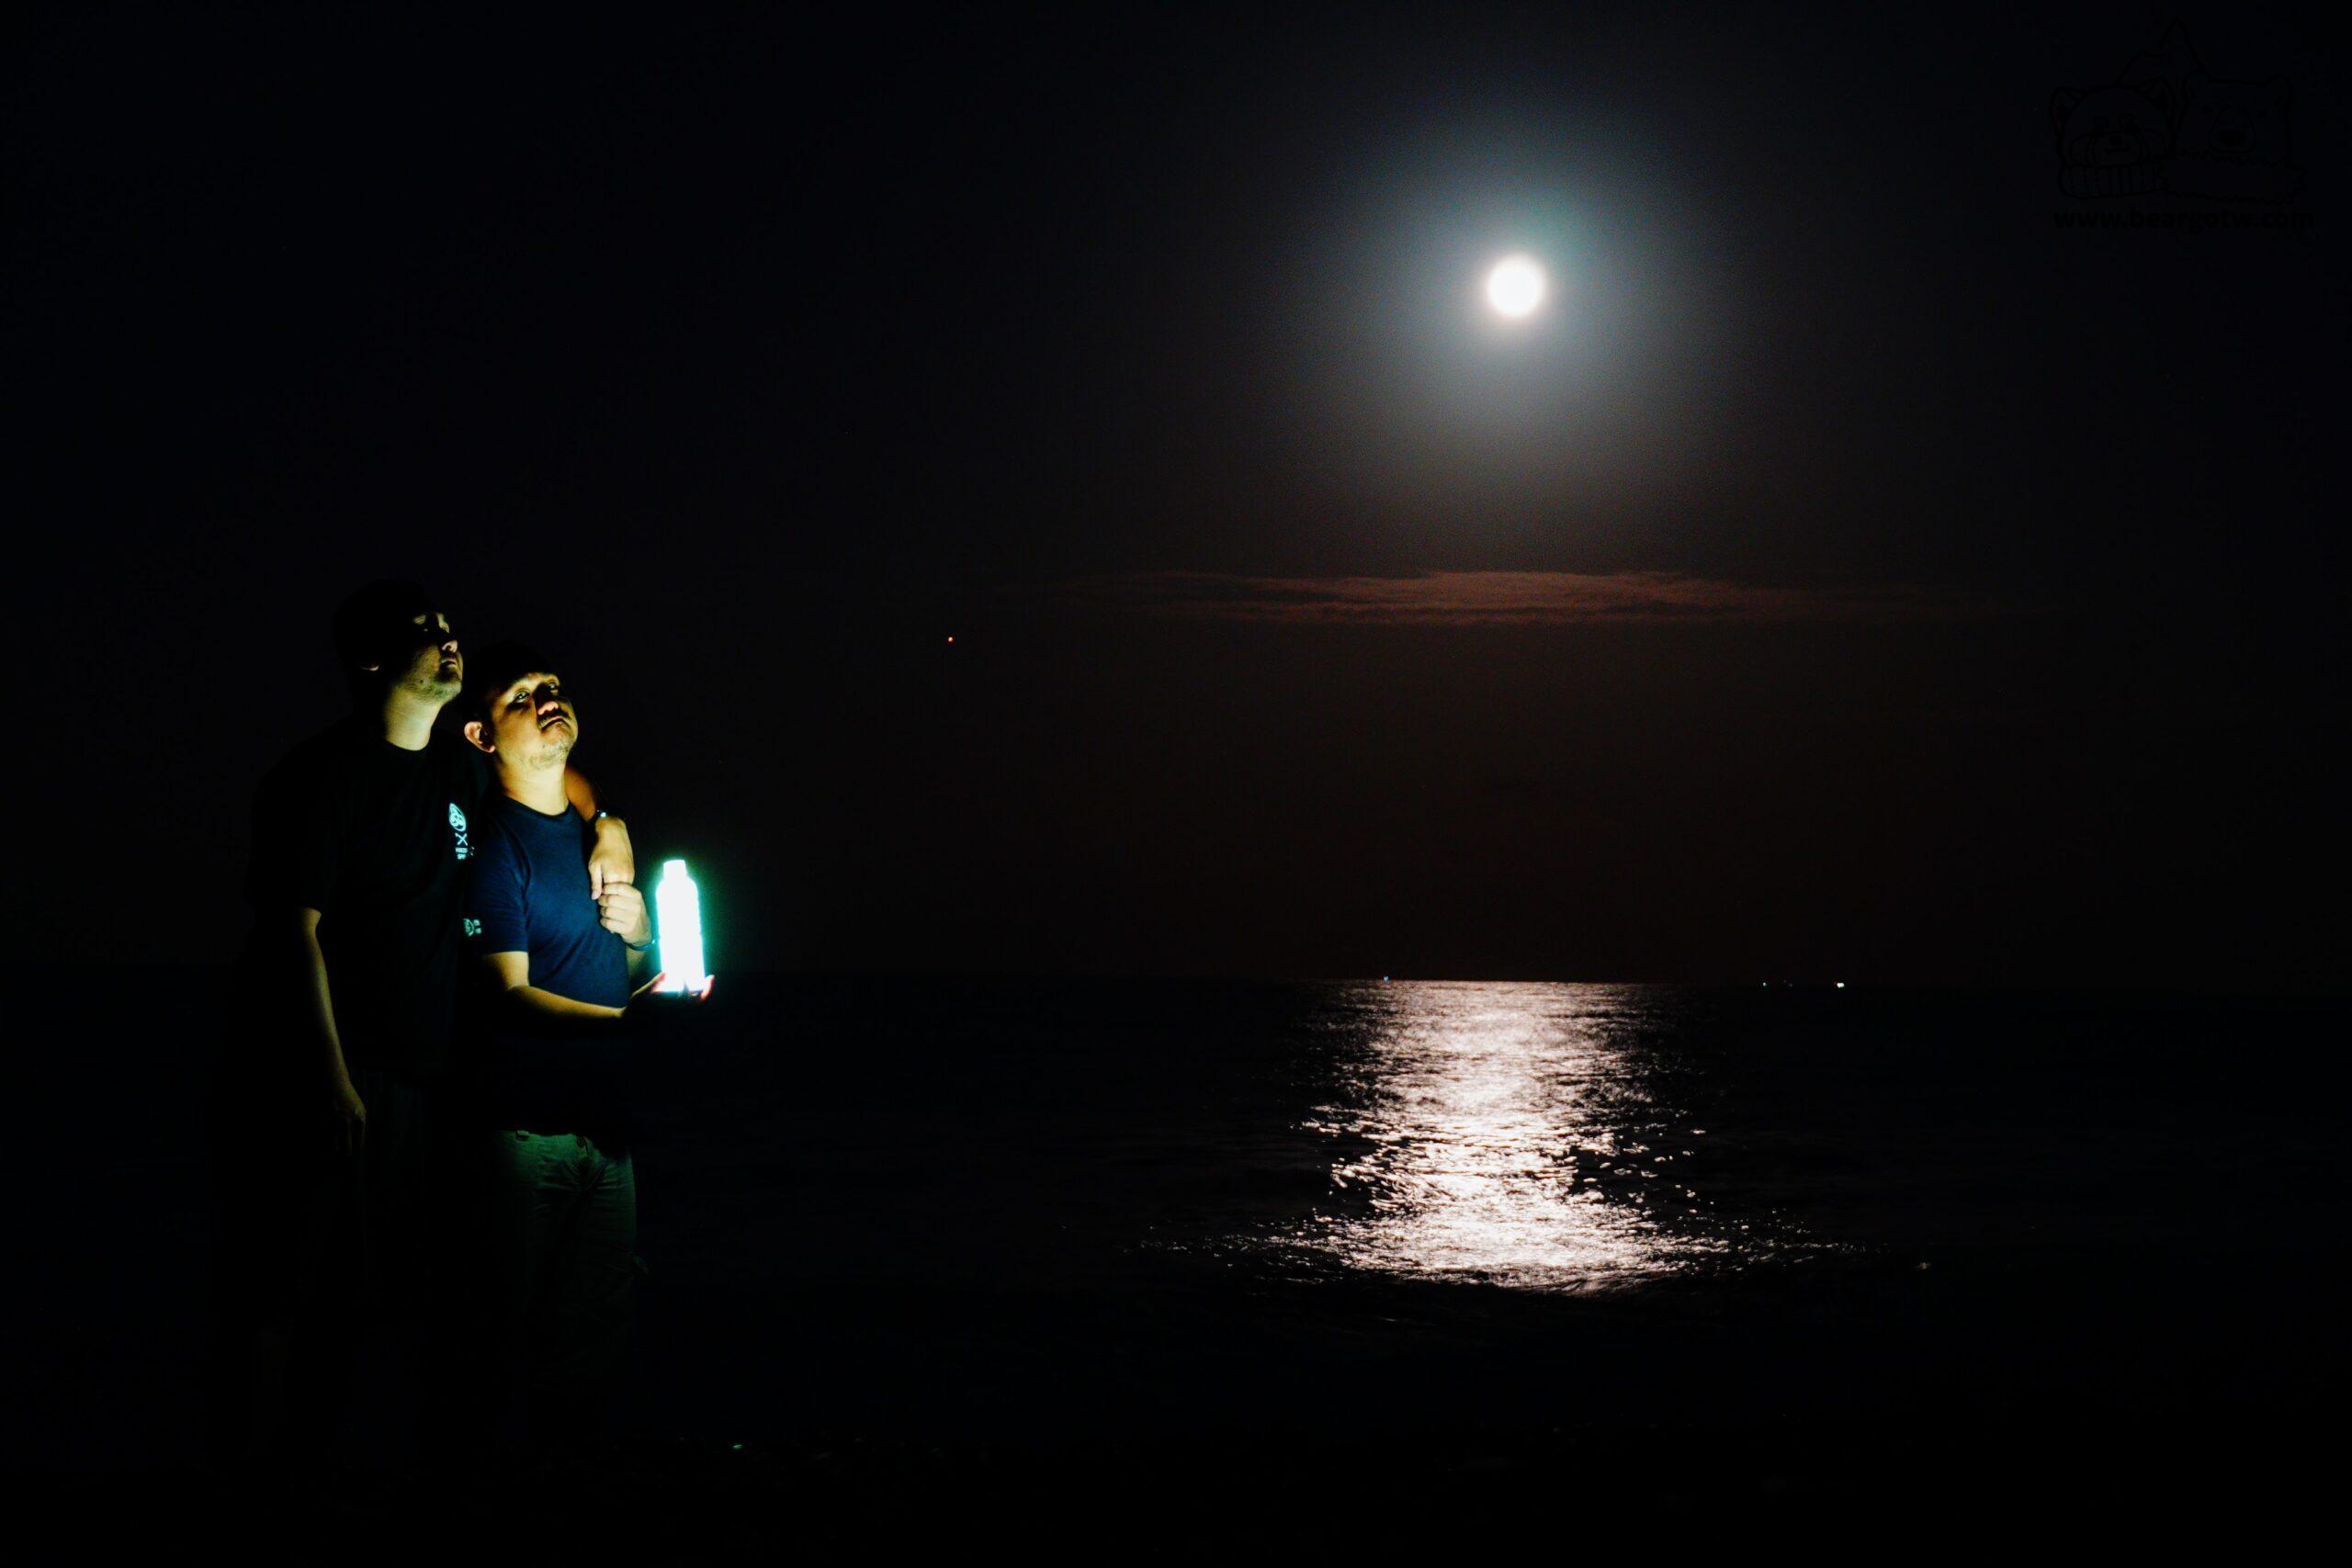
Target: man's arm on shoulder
[612,858]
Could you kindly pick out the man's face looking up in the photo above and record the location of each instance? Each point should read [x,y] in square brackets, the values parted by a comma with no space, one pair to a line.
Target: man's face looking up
[435,667]
[527,723]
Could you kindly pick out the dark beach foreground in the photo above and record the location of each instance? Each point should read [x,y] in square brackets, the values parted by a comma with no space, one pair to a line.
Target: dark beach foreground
[1124,1265]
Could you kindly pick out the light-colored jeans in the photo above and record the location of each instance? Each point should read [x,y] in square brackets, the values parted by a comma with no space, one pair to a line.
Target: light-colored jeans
[570,1263]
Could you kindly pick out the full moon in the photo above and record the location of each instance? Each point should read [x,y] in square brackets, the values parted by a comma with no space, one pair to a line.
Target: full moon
[1516,286]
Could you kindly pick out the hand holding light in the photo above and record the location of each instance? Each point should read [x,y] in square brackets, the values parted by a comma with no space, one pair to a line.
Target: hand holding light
[657,999]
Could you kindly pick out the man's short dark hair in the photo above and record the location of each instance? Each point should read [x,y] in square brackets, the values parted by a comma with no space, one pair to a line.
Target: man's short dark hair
[377,626]
[498,666]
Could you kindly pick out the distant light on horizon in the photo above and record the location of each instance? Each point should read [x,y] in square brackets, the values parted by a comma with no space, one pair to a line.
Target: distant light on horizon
[1516,286]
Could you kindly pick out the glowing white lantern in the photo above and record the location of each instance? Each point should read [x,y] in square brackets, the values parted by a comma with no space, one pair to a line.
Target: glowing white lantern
[678,906]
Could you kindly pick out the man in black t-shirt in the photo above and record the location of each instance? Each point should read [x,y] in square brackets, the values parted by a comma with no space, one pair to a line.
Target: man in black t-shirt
[332,1132]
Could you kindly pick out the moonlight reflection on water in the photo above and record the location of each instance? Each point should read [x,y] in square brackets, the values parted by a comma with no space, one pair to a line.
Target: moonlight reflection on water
[1508,1133]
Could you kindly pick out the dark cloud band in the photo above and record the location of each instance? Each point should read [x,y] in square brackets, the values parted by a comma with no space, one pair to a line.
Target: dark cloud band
[1517,598]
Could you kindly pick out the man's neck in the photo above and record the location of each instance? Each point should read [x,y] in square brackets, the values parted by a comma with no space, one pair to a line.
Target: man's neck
[541,789]
[407,718]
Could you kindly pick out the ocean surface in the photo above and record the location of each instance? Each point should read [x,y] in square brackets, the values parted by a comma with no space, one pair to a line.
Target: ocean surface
[1089,1213]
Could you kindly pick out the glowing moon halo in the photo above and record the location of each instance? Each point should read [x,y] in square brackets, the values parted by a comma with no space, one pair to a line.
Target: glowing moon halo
[1516,286]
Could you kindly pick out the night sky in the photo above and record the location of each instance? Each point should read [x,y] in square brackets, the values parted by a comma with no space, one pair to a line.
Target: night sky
[1854,574]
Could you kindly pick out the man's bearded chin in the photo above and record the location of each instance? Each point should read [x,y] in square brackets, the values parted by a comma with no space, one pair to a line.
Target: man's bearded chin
[426,679]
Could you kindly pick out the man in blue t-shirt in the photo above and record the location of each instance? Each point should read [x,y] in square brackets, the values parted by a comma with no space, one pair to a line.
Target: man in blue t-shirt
[559,962]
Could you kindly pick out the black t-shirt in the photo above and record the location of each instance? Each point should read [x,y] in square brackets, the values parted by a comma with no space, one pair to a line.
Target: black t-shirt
[529,894]
[378,840]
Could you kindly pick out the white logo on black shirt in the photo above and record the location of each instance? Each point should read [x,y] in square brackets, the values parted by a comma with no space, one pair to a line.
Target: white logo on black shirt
[457,826]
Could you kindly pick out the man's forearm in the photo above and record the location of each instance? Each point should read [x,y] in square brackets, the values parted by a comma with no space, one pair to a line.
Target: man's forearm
[547,1004]
[319,998]
[612,858]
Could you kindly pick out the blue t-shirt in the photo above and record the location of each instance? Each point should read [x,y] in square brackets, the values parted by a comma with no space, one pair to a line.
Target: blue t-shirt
[529,895]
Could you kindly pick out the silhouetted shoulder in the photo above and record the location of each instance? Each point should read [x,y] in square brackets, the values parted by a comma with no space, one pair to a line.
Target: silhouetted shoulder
[320,755]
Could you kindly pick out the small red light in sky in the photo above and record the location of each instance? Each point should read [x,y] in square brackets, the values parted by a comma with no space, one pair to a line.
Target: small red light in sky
[951,640]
